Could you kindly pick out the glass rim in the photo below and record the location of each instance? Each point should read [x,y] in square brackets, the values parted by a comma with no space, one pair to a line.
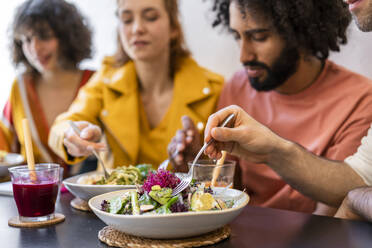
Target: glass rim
[38,167]
[211,163]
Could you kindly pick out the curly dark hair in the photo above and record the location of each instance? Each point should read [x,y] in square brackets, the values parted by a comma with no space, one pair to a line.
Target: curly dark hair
[317,26]
[66,23]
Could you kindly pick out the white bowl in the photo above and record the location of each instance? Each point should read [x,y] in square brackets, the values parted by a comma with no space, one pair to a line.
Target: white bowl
[87,191]
[170,226]
[10,160]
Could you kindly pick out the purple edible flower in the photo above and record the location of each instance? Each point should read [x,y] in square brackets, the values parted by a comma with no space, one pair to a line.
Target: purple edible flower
[163,178]
[105,205]
[178,207]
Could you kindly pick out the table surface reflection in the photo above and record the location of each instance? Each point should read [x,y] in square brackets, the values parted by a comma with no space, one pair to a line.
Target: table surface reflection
[255,227]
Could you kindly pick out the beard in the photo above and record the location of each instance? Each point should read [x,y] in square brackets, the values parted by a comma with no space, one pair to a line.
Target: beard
[363,17]
[363,23]
[283,67]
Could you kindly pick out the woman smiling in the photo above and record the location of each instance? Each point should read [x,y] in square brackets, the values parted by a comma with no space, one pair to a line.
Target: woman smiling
[49,39]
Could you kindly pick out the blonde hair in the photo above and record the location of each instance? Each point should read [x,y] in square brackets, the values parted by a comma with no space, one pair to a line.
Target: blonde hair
[178,49]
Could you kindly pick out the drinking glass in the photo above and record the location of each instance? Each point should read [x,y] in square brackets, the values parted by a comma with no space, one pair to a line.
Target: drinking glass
[203,172]
[59,183]
[35,198]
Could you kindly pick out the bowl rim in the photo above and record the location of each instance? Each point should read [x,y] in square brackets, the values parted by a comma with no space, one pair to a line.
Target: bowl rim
[19,159]
[173,215]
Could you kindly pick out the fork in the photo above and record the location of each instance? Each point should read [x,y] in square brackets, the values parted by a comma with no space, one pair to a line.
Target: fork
[77,131]
[164,164]
[187,179]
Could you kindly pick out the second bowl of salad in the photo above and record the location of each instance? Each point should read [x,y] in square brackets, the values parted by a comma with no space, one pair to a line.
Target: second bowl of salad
[88,185]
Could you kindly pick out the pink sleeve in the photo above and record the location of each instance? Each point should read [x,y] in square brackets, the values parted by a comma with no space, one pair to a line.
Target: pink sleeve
[348,137]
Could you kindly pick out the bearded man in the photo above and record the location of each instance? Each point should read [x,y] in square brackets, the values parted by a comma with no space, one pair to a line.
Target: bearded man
[290,86]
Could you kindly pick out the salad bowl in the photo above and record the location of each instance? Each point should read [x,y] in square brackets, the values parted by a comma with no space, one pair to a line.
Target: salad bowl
[87,191]
[87,185]
[174,225]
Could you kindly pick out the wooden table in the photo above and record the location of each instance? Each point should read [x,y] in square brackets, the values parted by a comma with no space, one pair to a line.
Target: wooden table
[255,227]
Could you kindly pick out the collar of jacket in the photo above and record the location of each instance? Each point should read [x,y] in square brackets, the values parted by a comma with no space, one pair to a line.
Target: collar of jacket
[191,84]
[190,81]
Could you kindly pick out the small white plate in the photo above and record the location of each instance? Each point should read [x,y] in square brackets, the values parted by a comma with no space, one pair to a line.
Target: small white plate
[6,188]
[87,191]
[170,226]
[10,160]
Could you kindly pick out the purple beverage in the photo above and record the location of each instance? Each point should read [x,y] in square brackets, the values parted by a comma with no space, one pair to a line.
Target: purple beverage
[35,200]
[35,191]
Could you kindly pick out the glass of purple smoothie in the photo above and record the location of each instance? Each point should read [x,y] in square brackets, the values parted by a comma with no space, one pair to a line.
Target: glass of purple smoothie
[35,198]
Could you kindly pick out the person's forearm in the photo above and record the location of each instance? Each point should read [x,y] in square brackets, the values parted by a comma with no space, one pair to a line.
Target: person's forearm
[321,179]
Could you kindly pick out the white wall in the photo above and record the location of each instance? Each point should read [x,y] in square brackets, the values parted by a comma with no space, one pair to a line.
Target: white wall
[6,69]
[212,49]
[219,51]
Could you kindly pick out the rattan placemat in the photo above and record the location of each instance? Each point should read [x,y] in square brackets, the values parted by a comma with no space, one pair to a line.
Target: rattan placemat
[16,222]
[115,238]
[80,204]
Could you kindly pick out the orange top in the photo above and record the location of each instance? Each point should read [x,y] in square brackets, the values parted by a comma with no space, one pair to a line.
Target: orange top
[329,118]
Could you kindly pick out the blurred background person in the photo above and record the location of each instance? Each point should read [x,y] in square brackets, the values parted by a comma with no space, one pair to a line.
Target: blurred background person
[138,96]
[49,39]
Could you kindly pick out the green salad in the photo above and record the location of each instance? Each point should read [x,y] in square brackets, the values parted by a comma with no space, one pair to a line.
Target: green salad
[124,175]
[155,197]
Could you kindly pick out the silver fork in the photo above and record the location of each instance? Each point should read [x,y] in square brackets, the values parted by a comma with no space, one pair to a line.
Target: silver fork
[187,179]
[77,131]
[164,164]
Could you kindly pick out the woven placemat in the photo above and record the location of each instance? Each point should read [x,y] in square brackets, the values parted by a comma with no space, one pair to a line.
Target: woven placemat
[16,222]
[80,204]
[115,238]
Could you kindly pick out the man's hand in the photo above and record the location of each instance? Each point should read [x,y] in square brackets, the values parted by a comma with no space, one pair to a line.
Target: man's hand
[184,146]
[318,178]
[357,205]
[83,145]
[345,211]
[245,137]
